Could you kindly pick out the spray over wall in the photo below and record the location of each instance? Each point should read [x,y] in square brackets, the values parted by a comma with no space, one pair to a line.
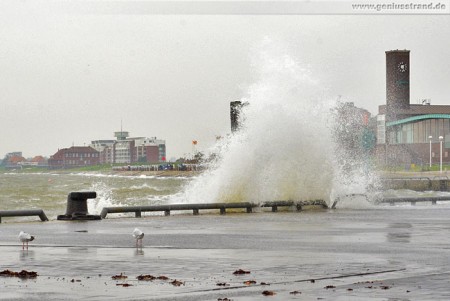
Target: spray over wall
[284,149]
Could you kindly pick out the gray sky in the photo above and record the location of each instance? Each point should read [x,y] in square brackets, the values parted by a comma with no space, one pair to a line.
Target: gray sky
[70,75]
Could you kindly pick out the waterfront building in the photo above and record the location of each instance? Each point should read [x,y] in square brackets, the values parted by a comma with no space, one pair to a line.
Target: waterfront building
[409,133]
[128,150]
[75,156]
[37,161]
[105,148]
[123,151]
[13,160]
[150,150]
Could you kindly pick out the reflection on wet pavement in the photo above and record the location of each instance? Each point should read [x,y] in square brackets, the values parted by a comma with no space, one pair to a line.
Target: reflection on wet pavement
[336,255]
[399,232]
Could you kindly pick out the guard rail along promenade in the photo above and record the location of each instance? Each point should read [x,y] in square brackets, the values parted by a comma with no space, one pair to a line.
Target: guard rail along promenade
[29,212]
[418,183]
[77,202]
[413,200]
[195,208]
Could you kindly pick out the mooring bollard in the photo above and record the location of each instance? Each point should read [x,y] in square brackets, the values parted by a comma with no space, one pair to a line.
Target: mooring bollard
[77,206]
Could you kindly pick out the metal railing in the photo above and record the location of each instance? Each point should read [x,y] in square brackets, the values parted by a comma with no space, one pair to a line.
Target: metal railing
[222,207]
[413,200]
[27,212]
[208,206]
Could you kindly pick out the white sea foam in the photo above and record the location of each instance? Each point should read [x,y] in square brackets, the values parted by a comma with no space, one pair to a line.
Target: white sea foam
[146,186]
[104,198]
[285,149]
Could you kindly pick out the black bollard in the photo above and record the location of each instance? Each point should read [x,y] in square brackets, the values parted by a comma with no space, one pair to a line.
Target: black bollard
[77,207]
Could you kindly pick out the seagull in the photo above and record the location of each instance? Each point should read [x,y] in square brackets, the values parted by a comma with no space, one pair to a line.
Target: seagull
[25,238]
[139,235]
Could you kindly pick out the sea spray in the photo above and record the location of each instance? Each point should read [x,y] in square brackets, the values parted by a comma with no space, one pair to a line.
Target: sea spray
[356,182]
[284,148]
[104,198]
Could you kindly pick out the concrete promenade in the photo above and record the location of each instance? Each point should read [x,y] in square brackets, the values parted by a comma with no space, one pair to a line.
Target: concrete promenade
[374,253]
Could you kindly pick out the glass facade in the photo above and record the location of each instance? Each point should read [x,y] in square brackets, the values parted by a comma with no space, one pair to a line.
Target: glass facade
[419,131]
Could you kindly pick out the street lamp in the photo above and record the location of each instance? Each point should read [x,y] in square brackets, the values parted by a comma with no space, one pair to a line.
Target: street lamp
[430,137]
[440,142]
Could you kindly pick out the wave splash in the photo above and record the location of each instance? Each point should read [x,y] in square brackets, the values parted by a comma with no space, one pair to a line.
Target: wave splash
[104,198]
[285,149]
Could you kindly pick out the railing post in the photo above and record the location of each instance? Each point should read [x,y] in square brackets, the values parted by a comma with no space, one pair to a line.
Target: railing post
[42,216]
[104,213]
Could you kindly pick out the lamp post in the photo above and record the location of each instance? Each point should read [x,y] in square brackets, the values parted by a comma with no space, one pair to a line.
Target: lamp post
[440,142]
[430,137]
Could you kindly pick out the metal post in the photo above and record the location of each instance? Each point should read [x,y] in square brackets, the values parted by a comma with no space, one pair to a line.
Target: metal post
[440,142]
[430,137]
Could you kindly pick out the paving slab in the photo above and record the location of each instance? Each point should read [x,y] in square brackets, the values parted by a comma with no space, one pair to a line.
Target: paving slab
[380,253]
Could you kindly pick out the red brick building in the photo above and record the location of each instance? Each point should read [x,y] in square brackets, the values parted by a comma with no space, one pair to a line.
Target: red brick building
[152,153]
[75,156]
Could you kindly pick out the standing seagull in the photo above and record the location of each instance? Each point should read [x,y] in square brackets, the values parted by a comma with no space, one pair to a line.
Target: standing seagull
[139,235]
[25,238]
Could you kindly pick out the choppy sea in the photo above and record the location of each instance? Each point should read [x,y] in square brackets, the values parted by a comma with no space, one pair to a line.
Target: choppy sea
[49,191]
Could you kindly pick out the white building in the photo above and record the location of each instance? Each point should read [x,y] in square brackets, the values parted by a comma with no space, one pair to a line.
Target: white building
[127,150]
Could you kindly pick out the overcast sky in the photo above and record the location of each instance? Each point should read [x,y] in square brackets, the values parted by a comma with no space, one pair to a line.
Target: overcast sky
[70,77]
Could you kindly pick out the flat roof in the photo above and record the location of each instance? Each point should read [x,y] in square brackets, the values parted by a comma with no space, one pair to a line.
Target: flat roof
[390,51]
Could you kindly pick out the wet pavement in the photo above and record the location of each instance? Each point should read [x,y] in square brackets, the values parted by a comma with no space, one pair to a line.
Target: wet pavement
[380,253]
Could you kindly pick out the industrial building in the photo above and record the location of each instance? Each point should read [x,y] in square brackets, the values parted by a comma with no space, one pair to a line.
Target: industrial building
[409,133]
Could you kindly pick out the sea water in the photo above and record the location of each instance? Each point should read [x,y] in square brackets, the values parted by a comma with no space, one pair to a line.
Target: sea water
[49,191]
[284,150]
